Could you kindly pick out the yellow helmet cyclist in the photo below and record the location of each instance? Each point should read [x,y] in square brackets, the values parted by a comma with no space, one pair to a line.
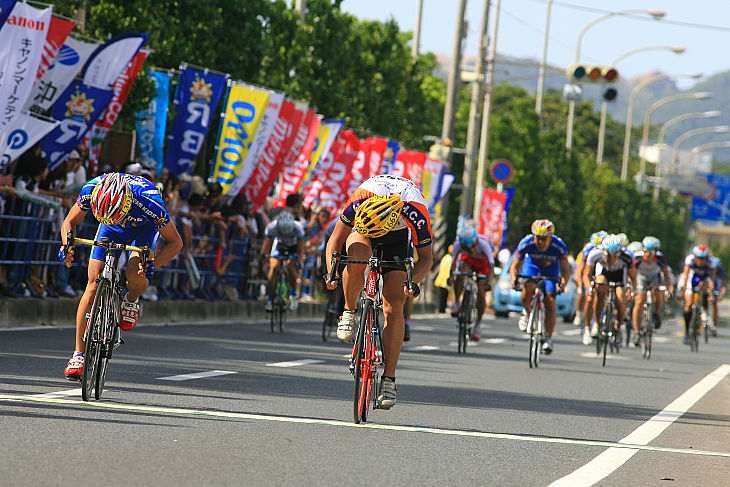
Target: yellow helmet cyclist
[377,215]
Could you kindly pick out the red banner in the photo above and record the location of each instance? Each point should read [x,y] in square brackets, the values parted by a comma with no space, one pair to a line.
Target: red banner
[490,215]
[377,154]
[412,163]
[268,167]
[330,187]
[297,160]
[58,31]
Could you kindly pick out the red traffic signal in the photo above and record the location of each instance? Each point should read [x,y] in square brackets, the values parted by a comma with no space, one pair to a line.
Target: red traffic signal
[592,74]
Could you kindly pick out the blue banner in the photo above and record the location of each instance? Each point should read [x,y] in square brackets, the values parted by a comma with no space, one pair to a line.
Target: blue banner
[510,192]
[77,109]
[196,99]
[714,203]
[152,123]
[6,6]
[391,150]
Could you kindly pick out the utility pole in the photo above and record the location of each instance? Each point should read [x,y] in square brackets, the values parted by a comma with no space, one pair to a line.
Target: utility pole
[484,146]
[301,7]
[447,132]
[475,117]
[417,31]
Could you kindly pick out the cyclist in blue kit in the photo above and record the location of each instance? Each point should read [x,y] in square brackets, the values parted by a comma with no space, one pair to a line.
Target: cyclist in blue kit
[542,253]
[130,211]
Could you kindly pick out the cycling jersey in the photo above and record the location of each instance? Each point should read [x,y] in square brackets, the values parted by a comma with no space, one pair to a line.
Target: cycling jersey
[414,214]
[615,271]
[537,263]
[140,226]
[480,260]
[650,265]
[280,243]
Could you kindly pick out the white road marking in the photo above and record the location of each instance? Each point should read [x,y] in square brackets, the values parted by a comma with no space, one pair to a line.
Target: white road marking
[296,363]
[373,426]
[421,348]
[611,356]
[197,375]
[494,340]
[660,339]
[423,328]
[58,394]
[608,461]
[573,332]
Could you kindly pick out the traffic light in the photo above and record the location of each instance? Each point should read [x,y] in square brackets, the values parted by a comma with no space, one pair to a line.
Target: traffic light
[610,93]
[591,74]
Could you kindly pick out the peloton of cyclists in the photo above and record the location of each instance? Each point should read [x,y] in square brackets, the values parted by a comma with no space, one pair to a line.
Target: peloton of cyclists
[472,252]
[541,253]
[698,272]
[391,211]
[615,266]
[585,302]
[652,271]
[130,210]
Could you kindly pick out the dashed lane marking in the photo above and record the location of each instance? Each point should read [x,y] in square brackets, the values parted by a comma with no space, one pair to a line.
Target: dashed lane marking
[296,363]
[421,348]
[59,394]
[197,375]
[158,410]
[611,356]
[610,460]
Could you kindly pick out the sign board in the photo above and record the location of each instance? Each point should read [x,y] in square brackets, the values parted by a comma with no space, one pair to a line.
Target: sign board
[501,171]
[713,204]
[689,184]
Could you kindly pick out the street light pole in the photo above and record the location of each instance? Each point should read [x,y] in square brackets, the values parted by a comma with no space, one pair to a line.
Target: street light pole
[656,14]
[604,103]
[417,31]
[719,129]
[543,62]
[681,118]
[630,114]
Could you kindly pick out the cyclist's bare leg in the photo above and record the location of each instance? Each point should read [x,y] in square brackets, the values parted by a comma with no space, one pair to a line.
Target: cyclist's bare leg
[638,314]
[621,303]
[353,277]
[599,296]
[658,301]
[481,298]
[588,309]
[393,300]
[273,267]
[87,300]
[459,282]
[550,314]
[293,273]
[136,282]
[528,289]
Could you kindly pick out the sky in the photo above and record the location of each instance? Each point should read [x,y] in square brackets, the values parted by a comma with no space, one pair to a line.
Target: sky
[702,27]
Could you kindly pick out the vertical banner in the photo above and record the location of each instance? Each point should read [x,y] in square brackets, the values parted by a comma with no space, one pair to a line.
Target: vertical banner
[510,192]
[197,96]
[57,34]
[72,56]
[26,131]
[326,134]
[391,152]
[328,191]
[244,111]
[409,164]
[78,108]
[121,89]
[6,6]
[432,171]
[22,39]
[108,61]
[256,148]
[151,123]
[293,173]
[490,215]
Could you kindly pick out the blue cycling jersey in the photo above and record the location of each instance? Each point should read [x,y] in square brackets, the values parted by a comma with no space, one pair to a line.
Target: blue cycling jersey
[548,258]
[147,209]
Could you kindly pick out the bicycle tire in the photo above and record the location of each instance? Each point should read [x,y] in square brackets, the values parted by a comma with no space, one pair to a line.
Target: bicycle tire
[694,342]
[111,333]
[531,331]
[539,336]
[647,330]
[362,366]
[92,349]
[464,316]
[705,327]
[607,330]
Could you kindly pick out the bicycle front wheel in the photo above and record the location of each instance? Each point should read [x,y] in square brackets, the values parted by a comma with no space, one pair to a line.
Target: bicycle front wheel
[94,336]
[532,331]
[363,364]
[464,317]
[694,330]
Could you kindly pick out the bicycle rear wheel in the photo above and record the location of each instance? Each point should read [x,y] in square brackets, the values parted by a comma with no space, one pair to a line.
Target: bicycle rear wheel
[646,340]
[694,330]
[464,317]
[111,333]
[94,335]
[363,372]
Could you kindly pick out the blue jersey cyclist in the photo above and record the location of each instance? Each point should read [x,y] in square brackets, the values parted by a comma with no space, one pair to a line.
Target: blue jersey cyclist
[699,272]
[130,211]
[542,253]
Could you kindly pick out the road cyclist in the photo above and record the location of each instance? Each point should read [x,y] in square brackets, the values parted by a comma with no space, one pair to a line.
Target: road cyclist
[471,253]
[698,273]
[652,273]
[284,244]
[718,292]
[616,265]
[585,303]
[391,211]
[541,253]
[130,210]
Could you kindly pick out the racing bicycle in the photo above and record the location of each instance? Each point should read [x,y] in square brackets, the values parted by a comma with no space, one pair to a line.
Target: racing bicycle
[280,301]
[467,316]
[103,335]
[646,331]
[608,335]
[367,352]
[536,317]
[698,322]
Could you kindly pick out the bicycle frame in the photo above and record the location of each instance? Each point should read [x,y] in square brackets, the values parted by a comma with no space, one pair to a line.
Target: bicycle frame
[698,321]
[607,318]
[467,312]
[536,318]
[281,294]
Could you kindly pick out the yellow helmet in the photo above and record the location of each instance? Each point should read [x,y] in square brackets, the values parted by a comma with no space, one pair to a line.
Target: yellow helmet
[377,215]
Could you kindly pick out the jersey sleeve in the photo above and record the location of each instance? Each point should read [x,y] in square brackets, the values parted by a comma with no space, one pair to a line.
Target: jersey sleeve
[348,212]
[84,199]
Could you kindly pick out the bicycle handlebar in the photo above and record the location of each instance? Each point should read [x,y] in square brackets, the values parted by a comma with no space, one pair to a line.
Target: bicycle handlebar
[396,263]
[71,241]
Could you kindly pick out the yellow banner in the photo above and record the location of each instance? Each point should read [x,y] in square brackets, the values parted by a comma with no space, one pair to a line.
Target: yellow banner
[244,110]
[322,133]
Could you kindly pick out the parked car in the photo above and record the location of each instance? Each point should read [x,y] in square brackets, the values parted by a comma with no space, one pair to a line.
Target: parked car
[507,299]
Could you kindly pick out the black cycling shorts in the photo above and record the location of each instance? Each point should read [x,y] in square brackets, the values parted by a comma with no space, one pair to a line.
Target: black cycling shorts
[394,243]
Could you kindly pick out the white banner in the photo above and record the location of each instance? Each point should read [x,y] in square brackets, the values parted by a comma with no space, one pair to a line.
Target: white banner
[27,130]
[109,60]
[72,56]
[22,40]
[268,121]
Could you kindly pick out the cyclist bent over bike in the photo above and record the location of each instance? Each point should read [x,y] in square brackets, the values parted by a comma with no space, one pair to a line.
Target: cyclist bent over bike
[391,211]
[545,254]
[130,210]
[699,271]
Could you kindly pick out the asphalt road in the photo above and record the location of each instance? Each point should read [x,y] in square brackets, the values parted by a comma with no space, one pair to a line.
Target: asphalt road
[269,409]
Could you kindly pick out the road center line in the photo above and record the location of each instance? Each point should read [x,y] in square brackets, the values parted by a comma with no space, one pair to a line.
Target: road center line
[343,424]
[197,375]
[296,363]
[608,461]
[59,394]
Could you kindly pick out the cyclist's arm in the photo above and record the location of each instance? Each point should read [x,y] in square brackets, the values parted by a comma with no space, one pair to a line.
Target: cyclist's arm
[173,245]
[335,242]
[564,271]
[632,276]
[587,273]
[75,216]
[301,253]
[423,265]
[266,247]
[516,264]
[685,275]
[667,280]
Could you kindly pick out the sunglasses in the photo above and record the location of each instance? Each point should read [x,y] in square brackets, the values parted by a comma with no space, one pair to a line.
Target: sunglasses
[541,238]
